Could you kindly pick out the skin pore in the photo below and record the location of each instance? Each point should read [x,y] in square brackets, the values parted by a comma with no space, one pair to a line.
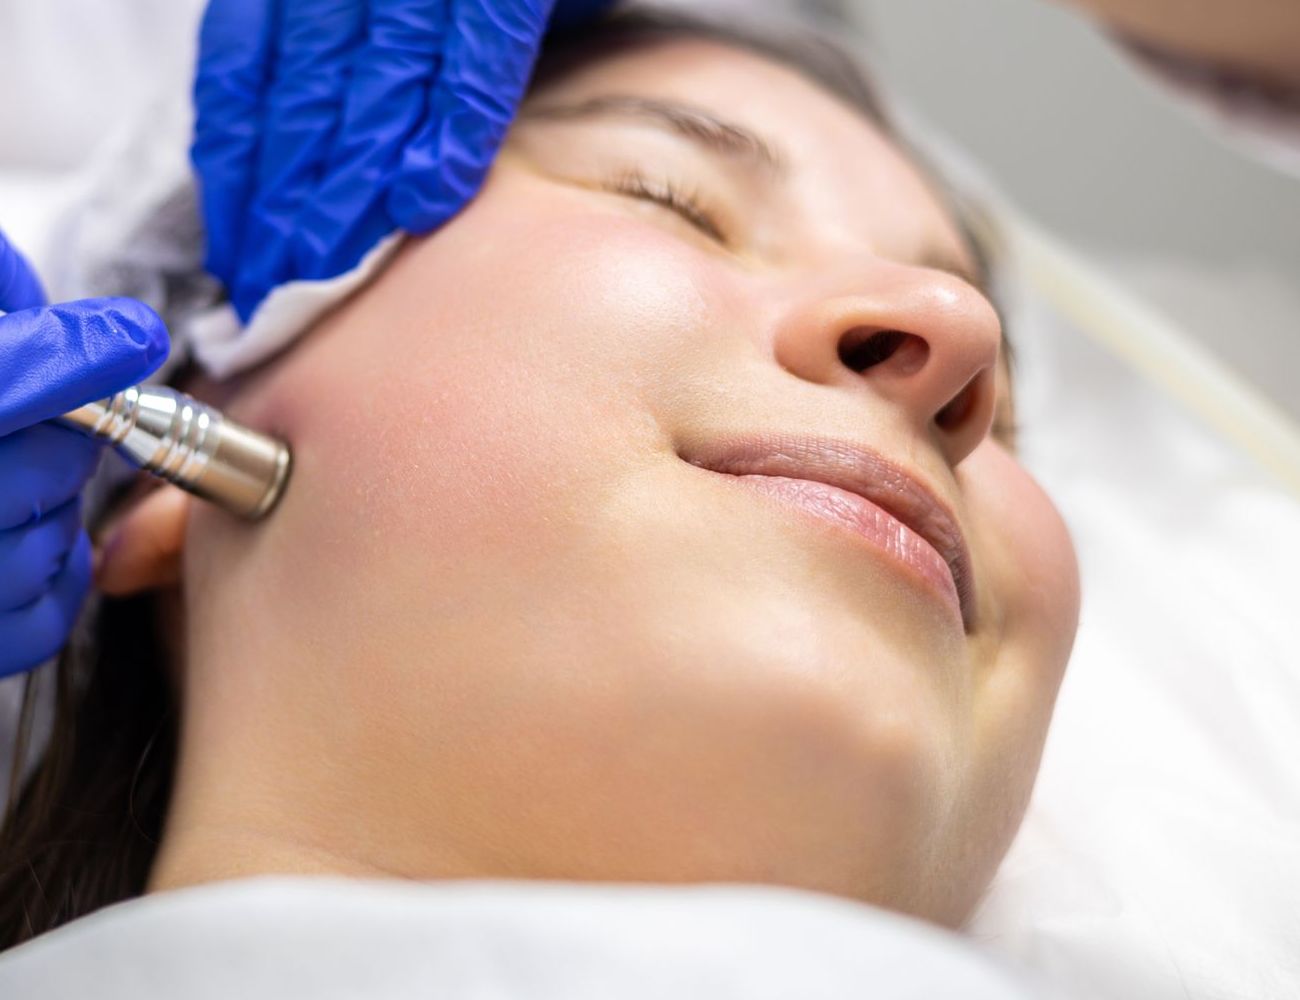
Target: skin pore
[500,627]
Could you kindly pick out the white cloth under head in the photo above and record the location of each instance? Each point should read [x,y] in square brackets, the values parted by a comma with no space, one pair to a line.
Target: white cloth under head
[333,938]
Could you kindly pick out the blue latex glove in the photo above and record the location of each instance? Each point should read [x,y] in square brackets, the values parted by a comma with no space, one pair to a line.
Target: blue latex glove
[54,359]
[323,125]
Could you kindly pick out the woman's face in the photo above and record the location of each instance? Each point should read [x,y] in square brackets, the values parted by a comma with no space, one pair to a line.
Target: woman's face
[505,597]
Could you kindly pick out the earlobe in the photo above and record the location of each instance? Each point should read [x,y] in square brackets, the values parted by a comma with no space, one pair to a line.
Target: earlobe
[142,549]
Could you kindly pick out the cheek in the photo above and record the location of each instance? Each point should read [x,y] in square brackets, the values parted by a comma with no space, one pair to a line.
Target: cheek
[1030,566]
[1030,594]
[521,375]
[469,406]
[1028,562]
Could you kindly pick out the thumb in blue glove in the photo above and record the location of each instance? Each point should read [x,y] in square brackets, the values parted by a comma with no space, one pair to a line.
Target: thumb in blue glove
[323,129]
[55,358]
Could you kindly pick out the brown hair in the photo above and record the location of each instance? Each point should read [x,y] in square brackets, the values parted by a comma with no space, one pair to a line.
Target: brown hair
[81,831]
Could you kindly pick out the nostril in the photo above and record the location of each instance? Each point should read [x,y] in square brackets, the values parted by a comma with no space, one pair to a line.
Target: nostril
[960,407]
[861,349]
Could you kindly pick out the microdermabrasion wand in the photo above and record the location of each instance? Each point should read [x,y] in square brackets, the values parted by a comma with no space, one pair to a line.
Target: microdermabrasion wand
[174,436]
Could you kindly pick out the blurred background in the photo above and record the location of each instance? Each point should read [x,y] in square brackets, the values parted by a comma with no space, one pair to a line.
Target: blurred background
[1096,152]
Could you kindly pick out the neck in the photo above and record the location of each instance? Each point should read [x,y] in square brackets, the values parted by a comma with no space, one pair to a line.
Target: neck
[205,853]
[284,806]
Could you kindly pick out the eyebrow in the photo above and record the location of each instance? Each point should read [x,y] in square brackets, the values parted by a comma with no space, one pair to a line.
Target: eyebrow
[714,134]
[729,139]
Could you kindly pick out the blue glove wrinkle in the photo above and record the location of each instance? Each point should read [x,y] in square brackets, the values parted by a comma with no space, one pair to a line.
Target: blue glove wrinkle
[413,27]
[389,87]
[233,67]
[489,60]
[75,352]
[334,129]
[311,74]
[55,358]
[19,286]
[35,553]
[43,467]
[36,631]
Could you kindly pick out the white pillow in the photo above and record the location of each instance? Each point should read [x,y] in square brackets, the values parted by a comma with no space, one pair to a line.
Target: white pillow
[1160,856]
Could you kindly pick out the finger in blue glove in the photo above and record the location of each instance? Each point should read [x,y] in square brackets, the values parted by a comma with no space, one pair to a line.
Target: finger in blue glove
[359,125]
[316,43]
[489,58]
[55,359]
[386,101]
[35,555]
[58,357]
[34,632]
[19,286]
[234,66]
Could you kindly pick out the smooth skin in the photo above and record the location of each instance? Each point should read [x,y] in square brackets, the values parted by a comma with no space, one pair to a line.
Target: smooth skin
[499,627]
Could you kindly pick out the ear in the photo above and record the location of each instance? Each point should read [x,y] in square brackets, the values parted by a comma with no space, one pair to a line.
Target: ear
[141,549]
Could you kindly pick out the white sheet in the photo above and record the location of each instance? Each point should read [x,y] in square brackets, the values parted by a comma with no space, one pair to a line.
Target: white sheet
[1161,853]
[330,939]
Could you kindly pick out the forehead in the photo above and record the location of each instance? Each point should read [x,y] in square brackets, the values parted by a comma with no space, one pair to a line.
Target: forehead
[844,173]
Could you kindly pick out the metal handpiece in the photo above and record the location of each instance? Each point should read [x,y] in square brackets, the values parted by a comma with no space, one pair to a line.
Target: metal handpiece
[174,436]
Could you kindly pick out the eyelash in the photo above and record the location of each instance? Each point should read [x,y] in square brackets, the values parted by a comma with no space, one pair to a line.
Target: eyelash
[687,204]
[692,209]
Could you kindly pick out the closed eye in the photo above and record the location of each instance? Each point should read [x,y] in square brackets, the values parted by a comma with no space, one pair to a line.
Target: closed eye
[688,205]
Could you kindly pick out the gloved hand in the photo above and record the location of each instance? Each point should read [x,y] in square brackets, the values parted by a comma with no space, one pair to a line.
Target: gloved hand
[54,359]
[323,125]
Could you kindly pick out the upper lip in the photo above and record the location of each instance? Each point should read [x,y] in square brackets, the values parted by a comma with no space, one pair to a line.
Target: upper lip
[859,470]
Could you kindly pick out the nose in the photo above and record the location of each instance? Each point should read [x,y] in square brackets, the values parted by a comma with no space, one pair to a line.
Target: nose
[922,339]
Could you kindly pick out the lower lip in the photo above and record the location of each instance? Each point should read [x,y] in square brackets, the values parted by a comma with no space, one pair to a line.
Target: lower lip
[877,525]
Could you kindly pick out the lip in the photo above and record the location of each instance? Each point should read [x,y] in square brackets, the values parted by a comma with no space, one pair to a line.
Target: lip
[921,519]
